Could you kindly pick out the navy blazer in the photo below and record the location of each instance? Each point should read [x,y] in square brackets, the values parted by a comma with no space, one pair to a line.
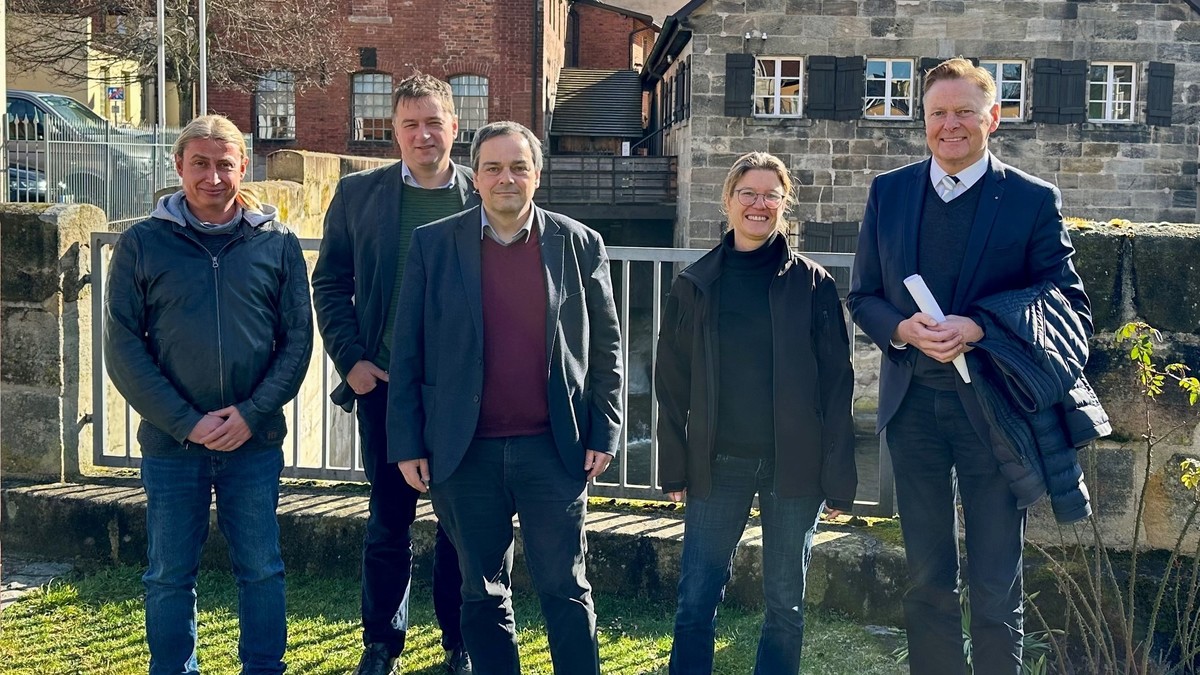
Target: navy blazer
[436,372]
[1017,240]
[356,269]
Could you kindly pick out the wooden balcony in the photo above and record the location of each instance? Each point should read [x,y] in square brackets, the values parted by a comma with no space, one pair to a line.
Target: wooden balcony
[609,187]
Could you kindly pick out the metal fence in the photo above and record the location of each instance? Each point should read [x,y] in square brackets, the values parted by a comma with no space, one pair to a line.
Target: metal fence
[93,162]
[323,439]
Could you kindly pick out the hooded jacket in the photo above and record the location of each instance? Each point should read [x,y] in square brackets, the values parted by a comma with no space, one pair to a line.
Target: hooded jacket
[189,332]
[1035,396]
[813,382]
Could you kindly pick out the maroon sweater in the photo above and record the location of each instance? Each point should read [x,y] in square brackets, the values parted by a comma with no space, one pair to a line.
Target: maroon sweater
[514,340]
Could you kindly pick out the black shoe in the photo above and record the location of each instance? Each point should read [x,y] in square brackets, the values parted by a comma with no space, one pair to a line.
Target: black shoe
[376,660]
[458,661]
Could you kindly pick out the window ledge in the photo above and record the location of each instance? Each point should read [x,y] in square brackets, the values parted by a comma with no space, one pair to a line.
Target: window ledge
[879,122]
[780,121]
[1113,125]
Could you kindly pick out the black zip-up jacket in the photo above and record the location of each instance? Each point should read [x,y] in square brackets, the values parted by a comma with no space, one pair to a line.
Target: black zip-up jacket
[813,382]
[188,332]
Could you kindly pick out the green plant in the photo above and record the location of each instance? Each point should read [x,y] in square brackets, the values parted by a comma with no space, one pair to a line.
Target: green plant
[1035,645]
[1110,624]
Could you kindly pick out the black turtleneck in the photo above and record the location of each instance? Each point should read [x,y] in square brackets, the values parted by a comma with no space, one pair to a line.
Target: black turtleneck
[745,399]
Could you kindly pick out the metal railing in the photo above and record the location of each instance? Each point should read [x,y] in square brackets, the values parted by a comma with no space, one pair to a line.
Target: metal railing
[93,162]
[324,444]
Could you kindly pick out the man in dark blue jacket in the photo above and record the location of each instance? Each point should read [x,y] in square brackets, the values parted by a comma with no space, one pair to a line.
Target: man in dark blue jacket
[356,283]
[208,333]
[971,226]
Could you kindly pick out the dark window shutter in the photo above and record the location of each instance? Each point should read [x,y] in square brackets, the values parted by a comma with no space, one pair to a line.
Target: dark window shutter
[687,89]
[680,89]
[1160,93]
[822,87]
[739,85]
[1047,76]
[925,65]
[850,87]
[1072,107]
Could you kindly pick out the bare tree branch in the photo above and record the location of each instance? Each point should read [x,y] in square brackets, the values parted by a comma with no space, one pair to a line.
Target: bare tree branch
[245,39]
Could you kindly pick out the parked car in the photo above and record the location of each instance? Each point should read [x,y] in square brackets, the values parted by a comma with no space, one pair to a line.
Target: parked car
[97,162]
[27,185]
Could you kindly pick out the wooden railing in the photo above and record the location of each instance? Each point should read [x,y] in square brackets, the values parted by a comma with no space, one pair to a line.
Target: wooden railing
[606,179]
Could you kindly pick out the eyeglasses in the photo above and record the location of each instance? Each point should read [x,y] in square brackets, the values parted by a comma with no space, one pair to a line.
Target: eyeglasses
[771,200]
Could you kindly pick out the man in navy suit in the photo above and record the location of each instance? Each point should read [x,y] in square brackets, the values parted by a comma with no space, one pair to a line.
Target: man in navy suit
[506,397]
[971,226]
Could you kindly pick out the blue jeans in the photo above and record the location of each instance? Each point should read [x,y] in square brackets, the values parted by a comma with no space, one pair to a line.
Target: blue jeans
[179,491]
[711,531]
[937,453]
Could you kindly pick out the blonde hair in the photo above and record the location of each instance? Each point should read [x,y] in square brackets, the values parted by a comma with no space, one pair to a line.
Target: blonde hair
[220,129]
[959,68]
[762,161]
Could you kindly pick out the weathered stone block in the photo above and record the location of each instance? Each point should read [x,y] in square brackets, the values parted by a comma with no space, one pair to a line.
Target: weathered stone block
[1099,149]
[884,8]
[1098,252]
[1188,31]
[30,438]
[1166,264]
[1115,30]
[32,347]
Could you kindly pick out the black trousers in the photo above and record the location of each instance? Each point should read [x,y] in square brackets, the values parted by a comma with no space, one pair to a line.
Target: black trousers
[936,452]
[387,547]
[522,476]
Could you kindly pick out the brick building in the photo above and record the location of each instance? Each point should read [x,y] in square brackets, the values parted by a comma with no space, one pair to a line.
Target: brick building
[1103,99]
[503,58]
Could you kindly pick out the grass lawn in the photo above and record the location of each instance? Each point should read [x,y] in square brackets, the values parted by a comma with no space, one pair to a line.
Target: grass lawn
[93,624]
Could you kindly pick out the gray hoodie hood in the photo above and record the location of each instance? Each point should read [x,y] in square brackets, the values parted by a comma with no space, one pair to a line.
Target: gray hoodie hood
[170,208]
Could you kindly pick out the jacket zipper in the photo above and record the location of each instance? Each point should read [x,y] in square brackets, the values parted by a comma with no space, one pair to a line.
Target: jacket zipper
[217,297]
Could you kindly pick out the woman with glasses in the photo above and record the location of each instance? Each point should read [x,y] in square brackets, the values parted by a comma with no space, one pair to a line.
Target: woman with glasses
[754,386]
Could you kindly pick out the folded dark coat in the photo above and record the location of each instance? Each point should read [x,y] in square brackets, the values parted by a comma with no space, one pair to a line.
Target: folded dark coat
[1030,383]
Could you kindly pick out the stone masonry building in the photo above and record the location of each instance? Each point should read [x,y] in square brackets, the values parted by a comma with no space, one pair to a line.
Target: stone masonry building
[1102,98]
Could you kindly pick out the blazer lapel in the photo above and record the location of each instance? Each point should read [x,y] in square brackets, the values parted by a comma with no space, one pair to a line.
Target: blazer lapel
[388,193]
[981,228]
[467,241]
[910,208]
[551,240]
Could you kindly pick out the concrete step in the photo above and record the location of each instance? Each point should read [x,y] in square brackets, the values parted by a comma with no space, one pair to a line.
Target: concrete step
[630,550]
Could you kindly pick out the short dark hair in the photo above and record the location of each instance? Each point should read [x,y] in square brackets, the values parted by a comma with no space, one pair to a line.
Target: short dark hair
[420,85]
[489,131]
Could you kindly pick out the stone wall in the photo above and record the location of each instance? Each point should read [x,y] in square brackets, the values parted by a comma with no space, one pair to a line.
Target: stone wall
[45,338]
[1106,171]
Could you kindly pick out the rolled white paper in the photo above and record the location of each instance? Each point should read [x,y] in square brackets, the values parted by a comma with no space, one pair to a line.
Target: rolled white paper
[928,304]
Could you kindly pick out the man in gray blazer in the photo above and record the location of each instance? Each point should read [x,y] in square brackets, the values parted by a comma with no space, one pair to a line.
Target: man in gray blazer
[519,422]
[356,283]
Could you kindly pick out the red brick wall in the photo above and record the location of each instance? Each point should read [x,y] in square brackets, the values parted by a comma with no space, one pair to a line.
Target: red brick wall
[604,38]
[493,38]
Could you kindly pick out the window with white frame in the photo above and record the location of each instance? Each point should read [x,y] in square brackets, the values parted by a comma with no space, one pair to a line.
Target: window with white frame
[889,87]
[471,103]
[275,105]
[778,82]
[1010,87]
[1110,92]
[371,106]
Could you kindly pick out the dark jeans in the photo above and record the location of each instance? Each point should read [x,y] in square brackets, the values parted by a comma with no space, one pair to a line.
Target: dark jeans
[935,451]
[711,531]
[500,477]
[179,492]
[387,546]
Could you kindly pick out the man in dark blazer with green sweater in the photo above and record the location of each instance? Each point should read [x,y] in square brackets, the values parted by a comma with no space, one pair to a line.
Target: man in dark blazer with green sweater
[356,283]
[506,397]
